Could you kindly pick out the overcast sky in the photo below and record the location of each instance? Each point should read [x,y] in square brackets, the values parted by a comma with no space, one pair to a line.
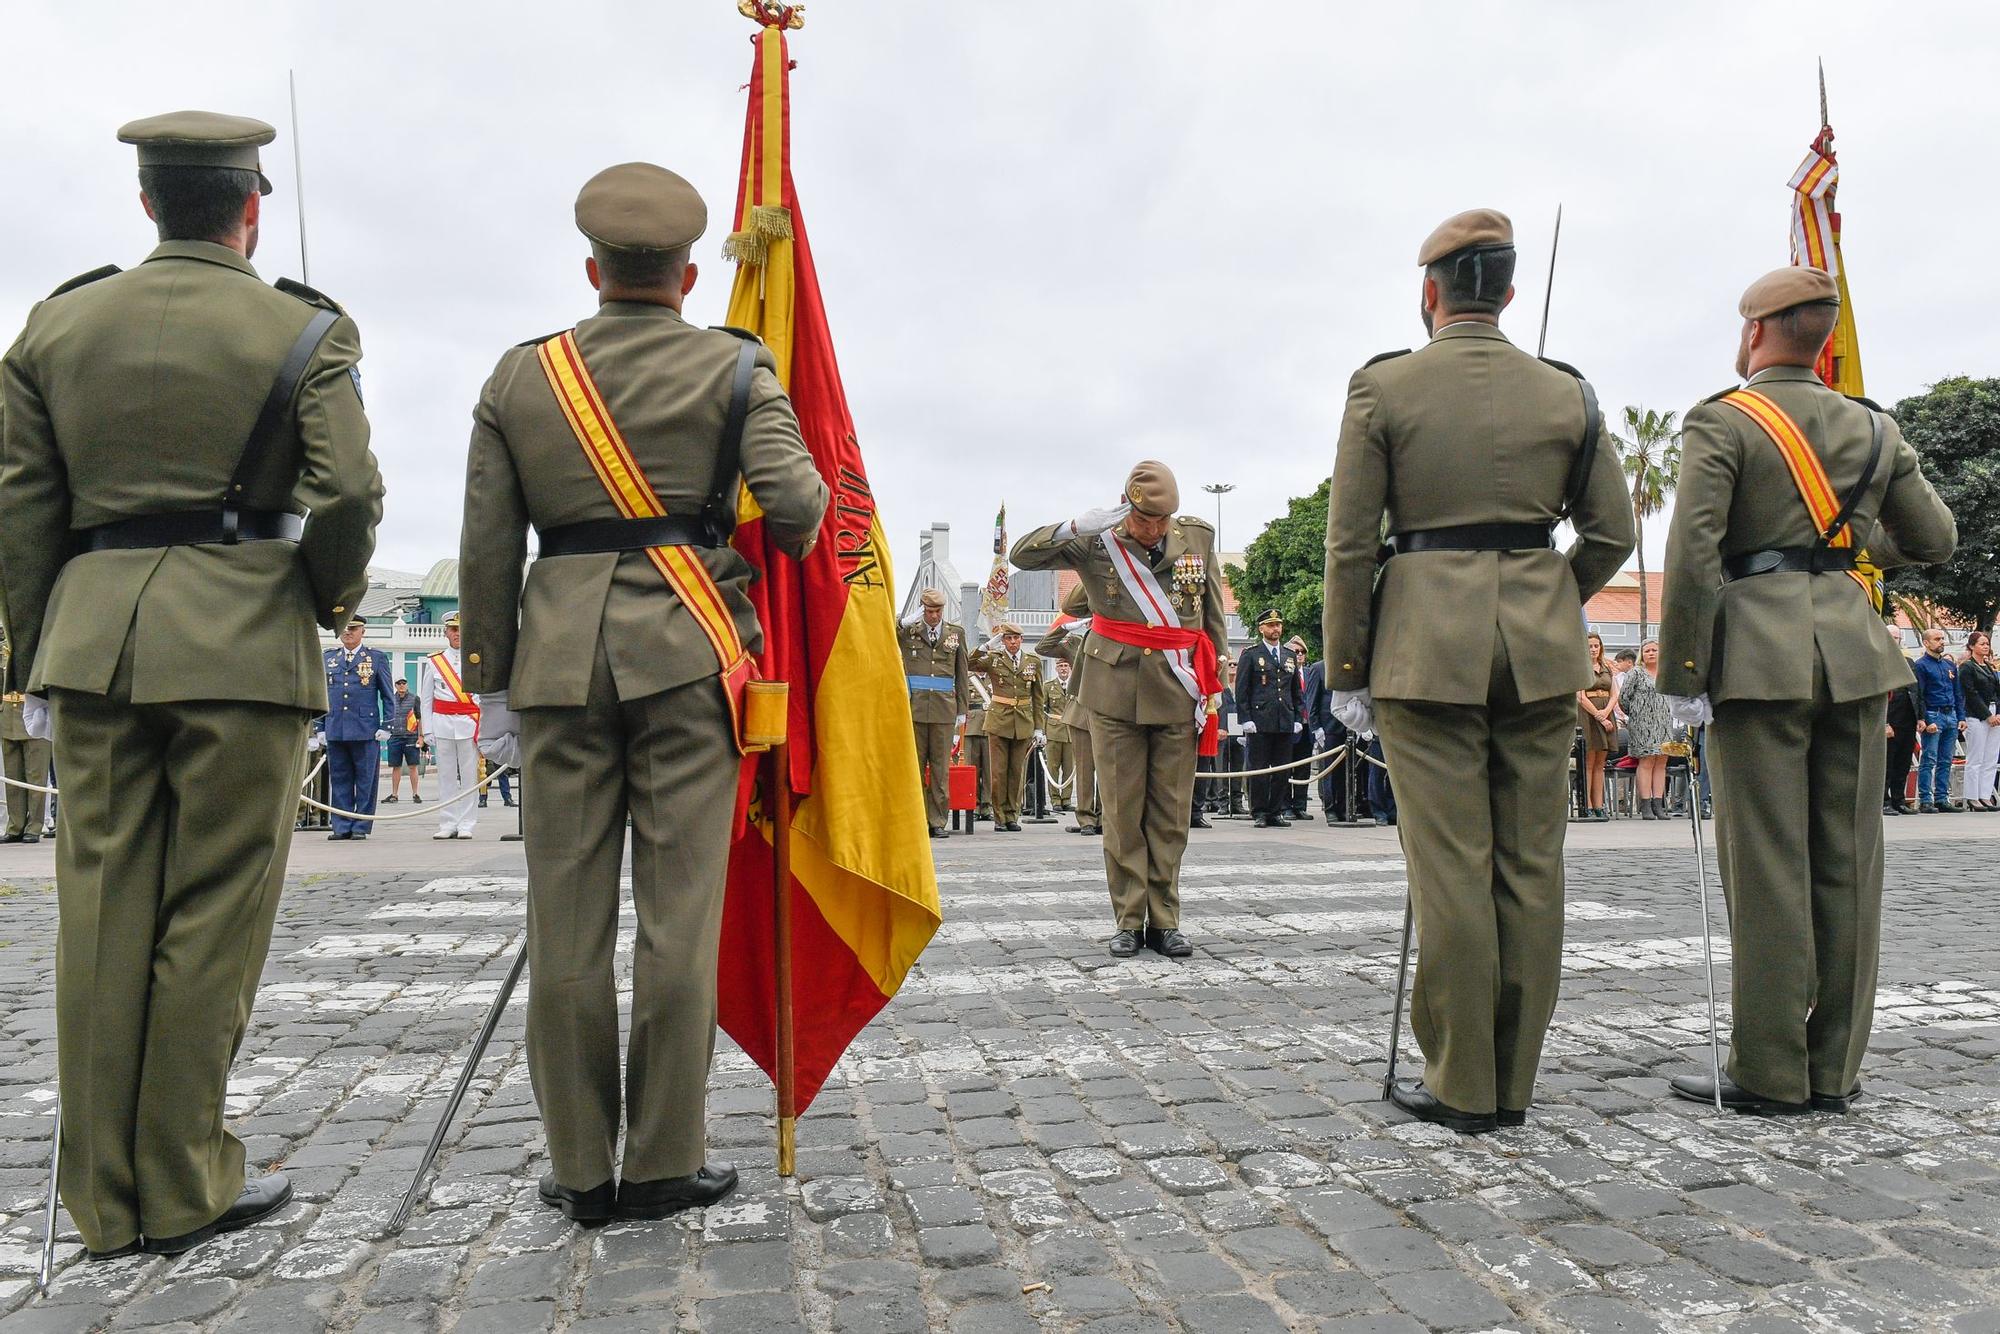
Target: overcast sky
[1053,237]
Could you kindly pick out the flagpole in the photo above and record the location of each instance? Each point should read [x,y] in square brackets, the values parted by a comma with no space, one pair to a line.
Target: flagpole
[781,918]
[1548,294]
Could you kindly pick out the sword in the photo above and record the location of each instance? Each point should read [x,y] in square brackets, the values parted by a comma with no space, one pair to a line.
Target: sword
[458,1092]
[1402,979]
[1548,294]
[299,178]
[1695,735]
[48,1268]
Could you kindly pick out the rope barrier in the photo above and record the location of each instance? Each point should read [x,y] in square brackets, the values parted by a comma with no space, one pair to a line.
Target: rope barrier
[473,791]
[1057,786]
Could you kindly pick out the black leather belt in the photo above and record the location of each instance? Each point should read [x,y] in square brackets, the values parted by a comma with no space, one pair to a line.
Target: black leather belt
[595,535]
[1788,560]
[192,528]
[1476,537]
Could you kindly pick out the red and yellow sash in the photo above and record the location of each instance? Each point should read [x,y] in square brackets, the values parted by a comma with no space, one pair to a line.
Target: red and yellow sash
[625,482]
[1808,474]
[460,702]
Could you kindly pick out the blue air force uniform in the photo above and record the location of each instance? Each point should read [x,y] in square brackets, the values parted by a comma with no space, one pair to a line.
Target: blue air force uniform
[360,703]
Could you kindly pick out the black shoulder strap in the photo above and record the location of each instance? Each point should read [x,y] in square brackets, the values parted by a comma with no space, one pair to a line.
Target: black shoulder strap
[83,279]
[1586,454]
[1847,506]
[721,507]
[1385,356]
[278,403]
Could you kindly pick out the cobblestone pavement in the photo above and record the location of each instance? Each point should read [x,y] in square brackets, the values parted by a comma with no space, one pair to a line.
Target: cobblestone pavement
[1036,1137]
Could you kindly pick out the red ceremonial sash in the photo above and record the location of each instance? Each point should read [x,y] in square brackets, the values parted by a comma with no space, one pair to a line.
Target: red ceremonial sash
[1162,638]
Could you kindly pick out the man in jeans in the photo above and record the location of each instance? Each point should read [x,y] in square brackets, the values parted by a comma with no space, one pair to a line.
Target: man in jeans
[1943,720]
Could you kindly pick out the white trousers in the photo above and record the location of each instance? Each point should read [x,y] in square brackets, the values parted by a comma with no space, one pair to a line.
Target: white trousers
[458,771]
[1982,757]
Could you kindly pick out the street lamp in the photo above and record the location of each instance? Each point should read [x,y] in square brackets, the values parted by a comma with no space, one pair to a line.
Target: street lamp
[1218,490]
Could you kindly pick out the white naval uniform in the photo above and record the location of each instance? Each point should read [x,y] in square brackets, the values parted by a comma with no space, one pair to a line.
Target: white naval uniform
[453,747]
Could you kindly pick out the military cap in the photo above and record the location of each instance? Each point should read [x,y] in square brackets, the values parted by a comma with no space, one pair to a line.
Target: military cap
[451,621]
[355,621]
[1781,289]
[1474,229]
[1296,641]
[200,139]
[930,597]
[1269,617]
[1006,628]
[638,206]
[1152,490]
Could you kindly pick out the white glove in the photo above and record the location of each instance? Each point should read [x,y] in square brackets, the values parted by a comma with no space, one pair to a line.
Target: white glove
[1249,728]
[1690,710]
[497,720]
[381,734]
[1092,522]
[35,716]
[914,617]
[1355,709]
[1319,738]
[960,722]
[314,742]
[502,749]
[1040,736]
[1298,728]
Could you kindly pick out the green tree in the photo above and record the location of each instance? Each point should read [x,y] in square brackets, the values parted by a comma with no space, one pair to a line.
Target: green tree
[1955,427]
[1285,568]
[1652,459]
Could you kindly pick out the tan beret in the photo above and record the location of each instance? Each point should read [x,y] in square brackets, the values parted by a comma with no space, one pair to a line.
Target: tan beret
[200,139]
[1781,289]
[1152,490]
[930,597]
[1485,228]
[638,206]
[1006,628]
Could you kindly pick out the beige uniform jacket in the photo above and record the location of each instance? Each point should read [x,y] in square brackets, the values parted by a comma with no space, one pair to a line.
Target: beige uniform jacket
[1468,429]
[1055,709]
[945,658]
[1745,639]
[134,395]
[1065,642]
[666,384]
[1016,712]
[1120,681]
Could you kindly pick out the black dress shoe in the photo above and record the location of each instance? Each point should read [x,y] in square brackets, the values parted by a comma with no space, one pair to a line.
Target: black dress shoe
[1701,1088]
[1925,808]
[31,838]
[1095,831]
[657,1199]
[10,838]
[1383,822]
[1013,826]
[1835,1102]
[1168,942]
[338,838]
[1891,810]
[1280,822]
[1124,944]
[580,1206]
[133,1247]
[1510,1120]
[1261,822]
[1420,1102]
[260,1199]
[1199,821]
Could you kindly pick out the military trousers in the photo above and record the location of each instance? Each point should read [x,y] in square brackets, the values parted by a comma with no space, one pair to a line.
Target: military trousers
[458,774]
[1145,777]
[669,760]
[1270,794]
[976,756]
[1084,797]
[934,766]
[352,769]
[1010,759]
[1060,756]
[1798,832]
[177,819]
[25,762]
[1481,805]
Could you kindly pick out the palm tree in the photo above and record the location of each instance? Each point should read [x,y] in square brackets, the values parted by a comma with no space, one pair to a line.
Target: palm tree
[1652,459]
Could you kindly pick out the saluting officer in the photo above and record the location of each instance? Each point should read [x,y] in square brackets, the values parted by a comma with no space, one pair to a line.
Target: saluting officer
[1014,715]
[360,705]
[634,411]
[183,464]
[1765,621]
[934,663]
[1057,751]
[1267,702]
[1469,653]
[1064,643]
[1157,631]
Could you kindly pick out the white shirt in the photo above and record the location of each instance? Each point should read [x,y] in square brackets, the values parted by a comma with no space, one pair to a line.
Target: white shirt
[430,689]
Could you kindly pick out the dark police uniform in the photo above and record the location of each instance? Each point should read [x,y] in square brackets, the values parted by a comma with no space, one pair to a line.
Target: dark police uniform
[1267,696]
[360,703]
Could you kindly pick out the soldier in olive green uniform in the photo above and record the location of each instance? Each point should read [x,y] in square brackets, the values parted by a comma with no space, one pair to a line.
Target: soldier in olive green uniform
[24,758]
[1470,652]
[1154,589]
[172,425]
[1763,620]
[616,688]
[1064,642]
[934,662]
[1014,718]
[1057,752]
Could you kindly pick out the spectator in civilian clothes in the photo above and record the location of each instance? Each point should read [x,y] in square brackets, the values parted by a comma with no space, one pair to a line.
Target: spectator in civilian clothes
[405,747]
[1979,700]
[1943,720]
[1906,714]
[1302,744]
[1594,706]
[1647,727]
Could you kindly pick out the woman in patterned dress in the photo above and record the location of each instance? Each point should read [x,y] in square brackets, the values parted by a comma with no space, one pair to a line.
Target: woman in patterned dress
[1647,727]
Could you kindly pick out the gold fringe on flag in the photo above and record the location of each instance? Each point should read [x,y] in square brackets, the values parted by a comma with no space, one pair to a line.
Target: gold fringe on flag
[752,246]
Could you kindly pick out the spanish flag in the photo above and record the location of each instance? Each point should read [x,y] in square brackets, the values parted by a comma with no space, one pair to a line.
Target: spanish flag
[864,892]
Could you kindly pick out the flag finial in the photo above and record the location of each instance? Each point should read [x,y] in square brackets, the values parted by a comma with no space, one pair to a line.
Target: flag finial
[771,14]
[1823,120]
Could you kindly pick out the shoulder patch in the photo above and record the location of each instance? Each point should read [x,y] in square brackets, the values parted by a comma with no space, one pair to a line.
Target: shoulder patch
[1720,394]
[1194,521]
[1865,402]
[537,342]
[85,279]
[1562,366]
[1385,356]
[744,334]
[312,296]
